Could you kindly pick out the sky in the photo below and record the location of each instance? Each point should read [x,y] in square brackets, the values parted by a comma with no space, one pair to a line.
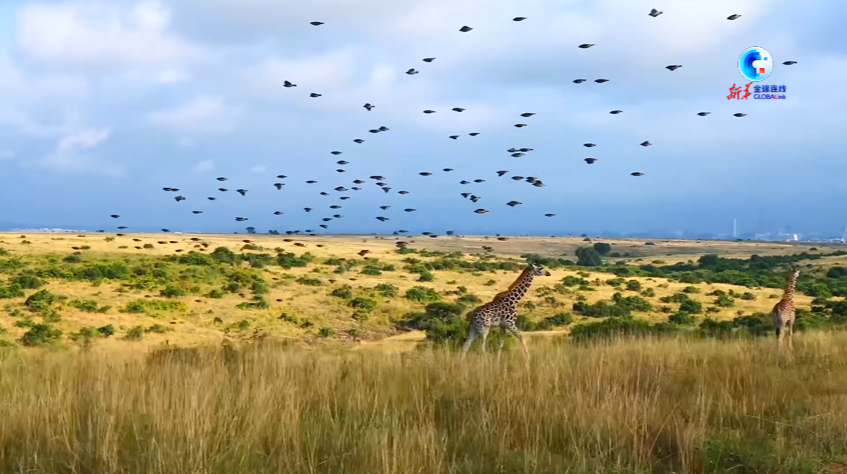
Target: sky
[105,102]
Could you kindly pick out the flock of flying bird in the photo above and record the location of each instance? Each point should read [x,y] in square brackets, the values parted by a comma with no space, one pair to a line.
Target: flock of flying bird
[381,181]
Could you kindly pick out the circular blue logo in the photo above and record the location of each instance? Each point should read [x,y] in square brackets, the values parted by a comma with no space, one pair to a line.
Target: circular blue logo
[755,64]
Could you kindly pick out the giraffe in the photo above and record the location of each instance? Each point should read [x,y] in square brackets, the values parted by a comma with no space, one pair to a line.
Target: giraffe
[502,310]
[783,312]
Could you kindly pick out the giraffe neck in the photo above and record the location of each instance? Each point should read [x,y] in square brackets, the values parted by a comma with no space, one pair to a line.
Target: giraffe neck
[520,286]
[788,295]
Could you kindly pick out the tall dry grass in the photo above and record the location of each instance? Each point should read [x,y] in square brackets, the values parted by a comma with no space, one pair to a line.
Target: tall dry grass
[630,407]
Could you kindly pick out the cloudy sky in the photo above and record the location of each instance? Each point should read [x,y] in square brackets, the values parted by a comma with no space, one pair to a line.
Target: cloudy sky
[103,103]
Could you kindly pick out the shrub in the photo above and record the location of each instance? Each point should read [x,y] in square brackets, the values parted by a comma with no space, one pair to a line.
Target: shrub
[558,319]
[468,298]
[172,292]
[490,283]
[106,331]
[216,293]
[135,333]
[691,289]
[725,301]
[571,280]
[12,291]
[602,248]
[291,260]
[422,294]
[309,281]
[364,304]
[371,270]
[681,318]
[387,290]
[691,306]
[73,258]
[41,300]
[588,257]
[615,327]
[345,292]
[28,281]
[89,306]
[747,296]
[616,282]
[326,332]
[40,334]
[649,293]
[633,285]
[158,328]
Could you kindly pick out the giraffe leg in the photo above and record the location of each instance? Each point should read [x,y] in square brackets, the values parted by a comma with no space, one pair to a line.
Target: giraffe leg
[505,333]
[790,335]
[471,337]
[484,337]
[517,332]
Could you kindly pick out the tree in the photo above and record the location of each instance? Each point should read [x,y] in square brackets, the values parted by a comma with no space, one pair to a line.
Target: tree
[602,248]
[251,230]
[588,257]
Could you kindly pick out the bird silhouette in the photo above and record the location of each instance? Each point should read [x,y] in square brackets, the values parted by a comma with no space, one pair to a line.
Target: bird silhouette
[654,13]
[465,29]
[734,16]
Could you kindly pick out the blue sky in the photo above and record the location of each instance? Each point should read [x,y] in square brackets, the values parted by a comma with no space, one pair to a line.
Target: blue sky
[106,102]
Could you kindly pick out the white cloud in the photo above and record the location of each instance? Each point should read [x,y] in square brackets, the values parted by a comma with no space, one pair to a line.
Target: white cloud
[95,34]
[203,114]
[204,166]
[171,76]
[258,169]
[70,154]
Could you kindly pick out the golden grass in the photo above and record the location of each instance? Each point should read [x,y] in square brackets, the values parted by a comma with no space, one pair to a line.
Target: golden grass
[662,406]
[197,327]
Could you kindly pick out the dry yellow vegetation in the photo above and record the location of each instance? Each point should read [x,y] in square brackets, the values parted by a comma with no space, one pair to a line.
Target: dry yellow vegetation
[206,320]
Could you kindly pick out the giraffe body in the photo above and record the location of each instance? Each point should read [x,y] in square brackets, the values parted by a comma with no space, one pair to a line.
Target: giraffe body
[783,312]
[502,310]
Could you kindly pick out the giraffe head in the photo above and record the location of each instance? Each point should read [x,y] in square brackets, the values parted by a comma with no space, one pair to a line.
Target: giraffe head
[795,271]
[538,270]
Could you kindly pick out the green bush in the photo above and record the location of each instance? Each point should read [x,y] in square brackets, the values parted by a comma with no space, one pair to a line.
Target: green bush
[11,291]
[558,319]
[173,292]
[135,333]
[588,257]
[89,306]
[571,280]
[158,328]
[364,304]
[309,281]
[725,301]
[28,281]
[326,332]
[616,282]
[468,298]
[345,292]
[387,290]
[41,300]
[371,270]
[682,318]
[106,331]
[426,276]
[691,289]
[633,285]
[40,334]
[422,294]
[691,306]
[291,260]
[216,293]
[648,292]
[616,327]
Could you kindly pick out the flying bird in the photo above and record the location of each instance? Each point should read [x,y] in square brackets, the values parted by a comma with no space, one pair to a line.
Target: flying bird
[410,210]
[637,173]
[513,203]
[458,109]
[527,114]
[600,81]
[519,18]
[288,84]
[428,111]
[335,152]
[734,16]
[454,137]
[517,155]
[279,185]
[369,106]
[278,213]
[646,143]
[340,170]
[654,13]
[517,178]
[179,198]
[335,206]
[384,208]
[342,162]
[383,128]
[590,160]
[307,209]
[402,192]
[382,219]
[241,219]
[428,60]
[221,179]
[242,192]
[502,172]
[223,190]
[473,134]
[549,215]
[412,72]
[673,67]
[739,115]
[311,181]
[589,145]
[425,173]
[316,23]
[465,195]
[447,170]
[314,94]
[281,176]
[579,81]
[479,181]
[475,198]
[465,29]
[115,216]
[359,140]
[703,114]
[615,112]
[586,45]
[464,182]
[789,63]
[520,125]
[481,211]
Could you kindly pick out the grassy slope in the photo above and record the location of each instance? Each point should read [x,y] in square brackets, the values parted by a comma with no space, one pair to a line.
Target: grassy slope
[197,326]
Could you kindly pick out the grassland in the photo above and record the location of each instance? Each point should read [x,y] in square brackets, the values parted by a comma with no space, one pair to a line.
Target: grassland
[235,353]
[297,302]
[651,406]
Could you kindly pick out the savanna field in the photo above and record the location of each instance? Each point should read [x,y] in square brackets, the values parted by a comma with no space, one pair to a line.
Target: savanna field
[164,353]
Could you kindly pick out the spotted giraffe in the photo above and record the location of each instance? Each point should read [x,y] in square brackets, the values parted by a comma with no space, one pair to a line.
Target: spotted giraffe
[783,312]
[502,310]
